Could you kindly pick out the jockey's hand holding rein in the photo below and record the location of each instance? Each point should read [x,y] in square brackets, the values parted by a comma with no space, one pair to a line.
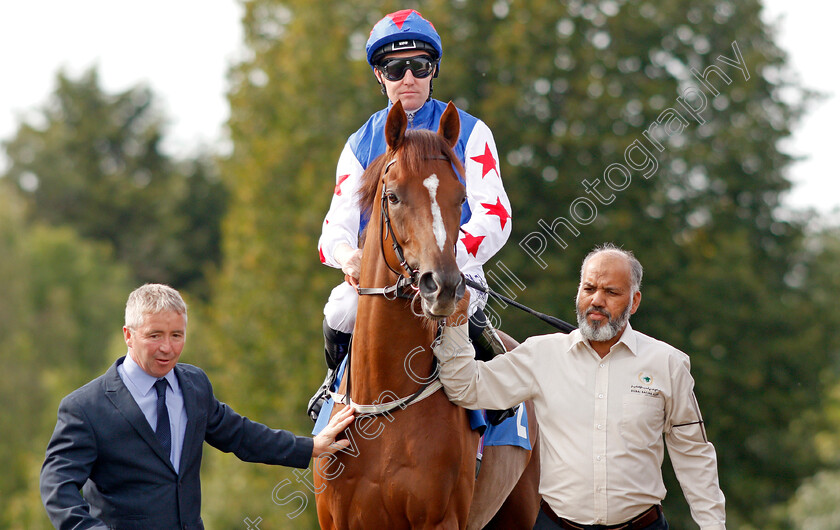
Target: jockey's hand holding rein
[351,262]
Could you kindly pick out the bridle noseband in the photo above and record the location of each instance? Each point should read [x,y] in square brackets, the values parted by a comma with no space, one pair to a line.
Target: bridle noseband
[406,285]
[385,229]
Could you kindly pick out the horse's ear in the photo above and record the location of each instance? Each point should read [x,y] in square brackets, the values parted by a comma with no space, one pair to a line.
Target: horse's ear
[450,125]
[395,126]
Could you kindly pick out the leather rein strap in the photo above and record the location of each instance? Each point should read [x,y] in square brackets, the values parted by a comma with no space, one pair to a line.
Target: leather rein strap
[405,287]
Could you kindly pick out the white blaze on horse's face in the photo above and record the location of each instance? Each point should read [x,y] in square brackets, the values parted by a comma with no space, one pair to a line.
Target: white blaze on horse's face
[438,227]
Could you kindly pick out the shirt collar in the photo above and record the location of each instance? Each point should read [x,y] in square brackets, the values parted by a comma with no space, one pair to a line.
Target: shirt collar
[423,117]
[628,339]
[143,381]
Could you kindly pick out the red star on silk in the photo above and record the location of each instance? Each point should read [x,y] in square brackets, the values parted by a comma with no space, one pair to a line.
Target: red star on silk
[486,160]
[341,180]
[498,209]
[321,255]
[400,16]
[472,242]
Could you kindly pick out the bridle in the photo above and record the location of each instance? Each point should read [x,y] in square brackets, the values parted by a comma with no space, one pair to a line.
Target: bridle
[406,287]
[406,284]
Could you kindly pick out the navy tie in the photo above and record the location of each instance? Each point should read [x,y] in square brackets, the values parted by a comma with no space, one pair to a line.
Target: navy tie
[162,431]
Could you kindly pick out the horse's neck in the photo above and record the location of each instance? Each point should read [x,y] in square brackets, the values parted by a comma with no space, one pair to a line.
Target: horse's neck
[391,346]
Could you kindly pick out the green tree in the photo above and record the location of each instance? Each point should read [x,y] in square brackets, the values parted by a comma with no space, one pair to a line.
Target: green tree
[815,505]
[61,310]
[568,89]
[93,161]
[293,103]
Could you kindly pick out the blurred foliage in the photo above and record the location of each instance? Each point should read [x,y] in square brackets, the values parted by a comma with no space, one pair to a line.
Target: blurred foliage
[289,120]
[566,88]
[815,505]
[90,206]
[61,308]
[93,161]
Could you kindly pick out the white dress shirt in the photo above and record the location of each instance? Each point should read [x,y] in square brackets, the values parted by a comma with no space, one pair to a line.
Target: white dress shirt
[601,420]
[142,388]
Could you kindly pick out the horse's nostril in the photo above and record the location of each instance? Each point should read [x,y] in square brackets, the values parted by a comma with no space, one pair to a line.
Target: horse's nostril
[427,283]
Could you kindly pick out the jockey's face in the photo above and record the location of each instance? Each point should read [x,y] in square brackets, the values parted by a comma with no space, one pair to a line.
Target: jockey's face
[410,90]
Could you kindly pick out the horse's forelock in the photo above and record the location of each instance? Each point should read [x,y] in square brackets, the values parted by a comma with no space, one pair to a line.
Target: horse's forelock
[422,144]
[412,157]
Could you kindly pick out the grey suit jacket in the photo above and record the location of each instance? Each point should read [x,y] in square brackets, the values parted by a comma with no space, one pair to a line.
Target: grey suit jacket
[104,446]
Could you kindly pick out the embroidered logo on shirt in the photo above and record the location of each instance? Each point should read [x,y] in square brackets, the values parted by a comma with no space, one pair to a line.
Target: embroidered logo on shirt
[646,387]
[644,390]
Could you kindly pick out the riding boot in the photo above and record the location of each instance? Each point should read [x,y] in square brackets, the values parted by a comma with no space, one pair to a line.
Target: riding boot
[336,345]
[487,345]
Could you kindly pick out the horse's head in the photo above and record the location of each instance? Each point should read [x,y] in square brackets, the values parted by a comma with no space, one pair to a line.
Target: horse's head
[421,198]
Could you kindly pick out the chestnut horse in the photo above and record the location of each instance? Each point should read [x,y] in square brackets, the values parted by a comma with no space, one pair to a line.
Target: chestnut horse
[412,458]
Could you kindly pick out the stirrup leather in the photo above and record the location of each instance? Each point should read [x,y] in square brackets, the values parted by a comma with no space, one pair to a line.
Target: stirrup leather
[490,343]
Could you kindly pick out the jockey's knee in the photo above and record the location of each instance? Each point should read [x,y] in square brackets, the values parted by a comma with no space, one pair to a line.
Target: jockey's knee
[340,311]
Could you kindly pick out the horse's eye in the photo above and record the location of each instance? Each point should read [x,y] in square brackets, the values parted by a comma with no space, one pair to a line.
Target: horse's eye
[463,199]
[392,198]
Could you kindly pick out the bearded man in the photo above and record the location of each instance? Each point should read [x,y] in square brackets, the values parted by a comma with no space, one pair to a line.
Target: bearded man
[604,396]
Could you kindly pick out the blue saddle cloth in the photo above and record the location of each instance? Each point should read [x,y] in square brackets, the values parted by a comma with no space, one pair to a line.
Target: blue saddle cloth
[512,431]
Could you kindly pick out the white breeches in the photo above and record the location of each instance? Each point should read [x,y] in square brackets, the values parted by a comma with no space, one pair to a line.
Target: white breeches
[340,311]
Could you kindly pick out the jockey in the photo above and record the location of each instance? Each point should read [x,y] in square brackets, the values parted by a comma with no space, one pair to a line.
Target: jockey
[405,50]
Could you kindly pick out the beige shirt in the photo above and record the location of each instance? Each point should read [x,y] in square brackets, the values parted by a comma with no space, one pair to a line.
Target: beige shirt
[601,420]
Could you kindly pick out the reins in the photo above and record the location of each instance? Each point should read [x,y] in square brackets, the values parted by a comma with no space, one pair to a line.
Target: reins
[563,326]
[398,290]
[385,229]
[405,287]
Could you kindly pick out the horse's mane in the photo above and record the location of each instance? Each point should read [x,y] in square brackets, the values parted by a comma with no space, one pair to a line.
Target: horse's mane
[412,156]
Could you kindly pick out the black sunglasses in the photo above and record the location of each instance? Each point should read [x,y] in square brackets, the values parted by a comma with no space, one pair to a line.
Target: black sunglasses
[394,69]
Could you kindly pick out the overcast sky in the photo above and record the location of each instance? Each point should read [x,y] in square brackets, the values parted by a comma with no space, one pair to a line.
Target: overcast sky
[182,49]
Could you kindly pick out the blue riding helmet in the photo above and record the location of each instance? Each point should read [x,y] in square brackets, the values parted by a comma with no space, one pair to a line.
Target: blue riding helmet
[403,30]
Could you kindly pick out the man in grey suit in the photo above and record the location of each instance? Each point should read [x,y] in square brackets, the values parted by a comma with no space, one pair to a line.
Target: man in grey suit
[131,439]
